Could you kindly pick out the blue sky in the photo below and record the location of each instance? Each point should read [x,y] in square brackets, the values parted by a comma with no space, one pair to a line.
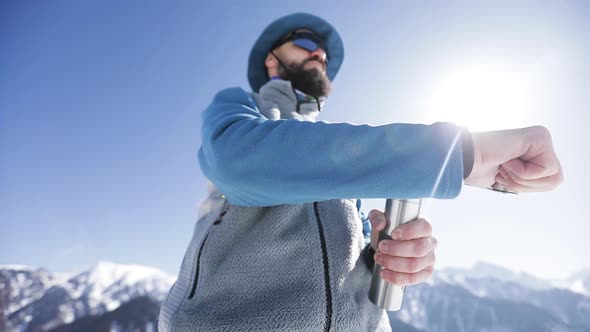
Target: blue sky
[100,107]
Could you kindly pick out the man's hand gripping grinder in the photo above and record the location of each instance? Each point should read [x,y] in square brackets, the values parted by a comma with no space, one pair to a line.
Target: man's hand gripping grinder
[397,211]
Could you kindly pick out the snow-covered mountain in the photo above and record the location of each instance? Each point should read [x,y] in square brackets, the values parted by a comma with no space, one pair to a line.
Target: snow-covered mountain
[490,298]
[117,297]
[578,282]
[489,271]
[20,285]
[40,301]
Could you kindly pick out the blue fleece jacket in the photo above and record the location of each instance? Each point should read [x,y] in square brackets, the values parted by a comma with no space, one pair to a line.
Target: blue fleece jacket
[258,162]
[286,252]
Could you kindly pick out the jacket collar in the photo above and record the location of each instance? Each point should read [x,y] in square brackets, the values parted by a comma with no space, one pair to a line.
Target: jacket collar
[278,100]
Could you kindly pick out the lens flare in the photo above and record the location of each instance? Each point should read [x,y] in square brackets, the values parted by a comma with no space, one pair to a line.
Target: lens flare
[483,97]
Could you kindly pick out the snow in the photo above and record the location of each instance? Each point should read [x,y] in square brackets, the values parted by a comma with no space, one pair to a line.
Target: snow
[67,314]
[103,287]
[578,287]
[110,284]
[106,286]
[16,267]
[105,274]
[460,276]
[112,305]
[482,292]
[578,283]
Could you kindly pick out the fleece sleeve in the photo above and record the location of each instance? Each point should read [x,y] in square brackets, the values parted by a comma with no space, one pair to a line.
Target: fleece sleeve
[259,162]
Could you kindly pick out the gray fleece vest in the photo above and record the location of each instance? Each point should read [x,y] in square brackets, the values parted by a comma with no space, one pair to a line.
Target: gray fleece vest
[281,268]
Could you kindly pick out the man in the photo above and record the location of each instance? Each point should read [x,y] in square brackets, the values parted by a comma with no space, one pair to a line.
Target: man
[279,245]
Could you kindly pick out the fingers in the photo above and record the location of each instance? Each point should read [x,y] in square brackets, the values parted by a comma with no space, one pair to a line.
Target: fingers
[528,155]
[416,229]
[408,248]
[507,174]
[419,230]
[529,170]
[409,257]
[539,166]
[410,270]
[404,279]
[412,230]
[511,180]
[405,264]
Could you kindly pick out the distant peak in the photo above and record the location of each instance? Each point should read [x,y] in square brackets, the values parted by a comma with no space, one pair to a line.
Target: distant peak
[582,274]
[489,268]
[110,271]
[16,267]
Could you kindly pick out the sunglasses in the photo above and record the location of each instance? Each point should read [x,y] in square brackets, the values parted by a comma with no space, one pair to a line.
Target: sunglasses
[305,40]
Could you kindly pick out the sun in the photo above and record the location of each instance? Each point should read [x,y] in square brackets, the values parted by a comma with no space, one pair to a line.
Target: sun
[482,97]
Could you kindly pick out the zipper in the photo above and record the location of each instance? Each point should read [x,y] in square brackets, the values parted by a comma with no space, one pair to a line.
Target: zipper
[327,288]
[198,259]
[194,286]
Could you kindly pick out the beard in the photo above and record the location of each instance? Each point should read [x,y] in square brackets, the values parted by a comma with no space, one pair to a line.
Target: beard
[313,82]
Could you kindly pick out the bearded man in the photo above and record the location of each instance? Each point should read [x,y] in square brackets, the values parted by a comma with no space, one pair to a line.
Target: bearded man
[280,245]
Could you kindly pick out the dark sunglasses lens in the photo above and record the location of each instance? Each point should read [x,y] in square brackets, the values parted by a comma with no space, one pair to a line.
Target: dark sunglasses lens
[307,44]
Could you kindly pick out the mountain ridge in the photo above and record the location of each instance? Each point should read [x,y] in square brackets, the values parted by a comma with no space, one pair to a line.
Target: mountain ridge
[482,297]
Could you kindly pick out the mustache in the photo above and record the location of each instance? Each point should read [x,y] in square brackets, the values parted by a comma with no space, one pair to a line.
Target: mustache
[314,58]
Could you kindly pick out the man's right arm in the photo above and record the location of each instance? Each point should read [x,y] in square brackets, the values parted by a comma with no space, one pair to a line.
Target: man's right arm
[261,162]
[256,161]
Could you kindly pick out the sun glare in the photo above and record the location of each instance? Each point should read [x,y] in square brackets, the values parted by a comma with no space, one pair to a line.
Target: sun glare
[480,97]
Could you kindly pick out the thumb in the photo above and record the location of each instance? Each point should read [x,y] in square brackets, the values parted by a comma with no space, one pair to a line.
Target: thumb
[377,219]
[378,223]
